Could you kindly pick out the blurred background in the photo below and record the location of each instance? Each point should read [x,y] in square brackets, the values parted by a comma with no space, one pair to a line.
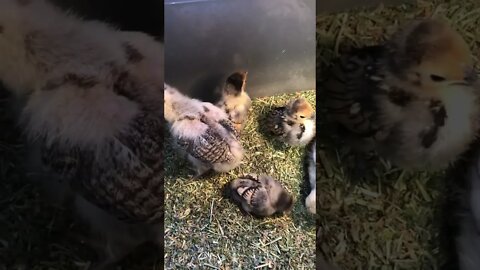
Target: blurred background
[344,5]
[128,15]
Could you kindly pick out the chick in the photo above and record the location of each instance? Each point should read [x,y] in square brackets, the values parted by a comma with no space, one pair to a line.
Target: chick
[414,99]
[310,201]
[294,123]
[92,119]
[235,100]
[203,132]
[461,231]
[260,195]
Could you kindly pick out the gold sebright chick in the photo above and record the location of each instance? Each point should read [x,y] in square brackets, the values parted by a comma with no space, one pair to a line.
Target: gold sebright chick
[203,132]
[235,101]
[414,99]
[293,123]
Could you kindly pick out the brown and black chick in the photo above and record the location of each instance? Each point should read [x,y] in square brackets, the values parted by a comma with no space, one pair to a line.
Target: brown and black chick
[260,195]
[413,99]
[235,101]
[324,265]
[293,124]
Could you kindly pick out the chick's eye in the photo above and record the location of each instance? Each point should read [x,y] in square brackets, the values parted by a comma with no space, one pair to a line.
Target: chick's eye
[302,116]
[437,78]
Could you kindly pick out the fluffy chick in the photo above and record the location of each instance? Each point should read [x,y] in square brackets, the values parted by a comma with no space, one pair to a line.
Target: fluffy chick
[260,195]
[293,123]
[235,101]
[310,201]
[91,111]
[414,99]
[203,132]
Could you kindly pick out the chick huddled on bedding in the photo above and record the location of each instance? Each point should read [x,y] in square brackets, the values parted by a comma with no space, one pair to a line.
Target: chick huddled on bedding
[260,195]
[293,123]
[203,132]
[235,101]
[460,237]
[414,99]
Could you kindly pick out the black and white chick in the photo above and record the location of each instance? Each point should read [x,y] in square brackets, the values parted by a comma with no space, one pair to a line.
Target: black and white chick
[91,111]
[310,201]
[293,124]
[460,236]
[203,132]
[260,195]
[414,99]
[235,101]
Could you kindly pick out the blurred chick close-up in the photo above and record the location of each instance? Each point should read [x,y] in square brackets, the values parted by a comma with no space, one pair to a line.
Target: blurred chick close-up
[100,169]
[260,195]
[413,99]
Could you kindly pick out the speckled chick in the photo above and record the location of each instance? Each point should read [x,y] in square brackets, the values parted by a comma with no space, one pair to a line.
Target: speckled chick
[260,195]
[203,132]
[293,123]
[235,101]
[414,99]
[91,112]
